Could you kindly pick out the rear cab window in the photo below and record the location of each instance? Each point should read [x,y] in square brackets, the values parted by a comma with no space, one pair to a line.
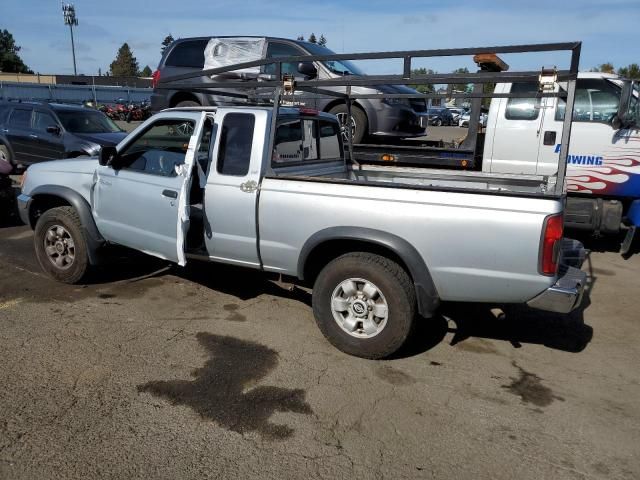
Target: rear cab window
[306,140]
[187,54]
[236,140]
[523,108]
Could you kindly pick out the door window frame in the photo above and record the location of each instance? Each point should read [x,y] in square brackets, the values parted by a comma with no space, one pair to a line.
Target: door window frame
[23,108]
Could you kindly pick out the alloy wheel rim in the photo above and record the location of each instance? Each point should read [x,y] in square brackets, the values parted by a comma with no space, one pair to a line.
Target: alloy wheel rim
[59,247]
[359,308]
[342,118]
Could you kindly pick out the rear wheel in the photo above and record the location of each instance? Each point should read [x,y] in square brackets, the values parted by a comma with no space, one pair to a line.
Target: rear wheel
[358,123]
[187,103]
[60,245]
[364,304]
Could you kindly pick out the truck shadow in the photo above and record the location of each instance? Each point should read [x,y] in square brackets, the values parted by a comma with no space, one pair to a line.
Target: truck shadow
[515,324]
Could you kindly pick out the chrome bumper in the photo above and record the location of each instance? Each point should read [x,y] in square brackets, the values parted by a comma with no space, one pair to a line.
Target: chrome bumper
[566,294]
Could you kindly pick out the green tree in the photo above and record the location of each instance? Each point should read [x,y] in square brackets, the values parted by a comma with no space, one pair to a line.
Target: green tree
[10,61]
[423,88]
[323,41]
[312,38]
[606,68]
[146,71]
[300,37]
[631,71]
[125,64]
[168,40]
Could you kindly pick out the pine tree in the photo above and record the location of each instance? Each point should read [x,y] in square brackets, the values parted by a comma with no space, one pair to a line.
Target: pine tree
[168,40]
[125,64]
[632,71]
[300,37]
[323,41]
[146,71]
[312,38]
[10,61]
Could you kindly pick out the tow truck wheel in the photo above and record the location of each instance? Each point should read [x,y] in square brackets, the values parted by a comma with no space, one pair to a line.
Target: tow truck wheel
[60,245]
[364,304]
[358,122]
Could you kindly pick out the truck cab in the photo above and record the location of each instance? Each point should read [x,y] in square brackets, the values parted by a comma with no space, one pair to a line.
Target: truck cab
[603,164]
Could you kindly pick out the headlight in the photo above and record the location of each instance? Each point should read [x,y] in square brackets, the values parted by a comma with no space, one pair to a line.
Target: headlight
[396,101]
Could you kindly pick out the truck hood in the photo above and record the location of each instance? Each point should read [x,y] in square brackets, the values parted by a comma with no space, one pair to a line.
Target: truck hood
[72,165]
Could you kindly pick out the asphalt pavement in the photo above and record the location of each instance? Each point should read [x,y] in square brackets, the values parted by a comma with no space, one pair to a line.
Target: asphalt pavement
[153,371]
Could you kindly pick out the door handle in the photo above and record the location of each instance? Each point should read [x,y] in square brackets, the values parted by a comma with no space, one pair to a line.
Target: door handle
[5,130]
[170,193]
[33,135]
[549,138]
[248,187]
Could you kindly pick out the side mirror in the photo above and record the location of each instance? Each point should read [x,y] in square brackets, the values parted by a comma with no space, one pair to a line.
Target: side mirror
[53,129]
[108,156]
[308,69]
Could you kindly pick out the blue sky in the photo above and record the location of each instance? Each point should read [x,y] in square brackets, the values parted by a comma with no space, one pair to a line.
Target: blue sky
[609,29]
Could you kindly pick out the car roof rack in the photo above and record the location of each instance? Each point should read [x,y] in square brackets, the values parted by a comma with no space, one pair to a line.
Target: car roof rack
[491,70]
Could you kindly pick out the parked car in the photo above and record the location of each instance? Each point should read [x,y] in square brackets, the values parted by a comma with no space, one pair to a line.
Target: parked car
[440,116]
[375,117]
[463,121]
[456,112]
[378,245]
[32,132]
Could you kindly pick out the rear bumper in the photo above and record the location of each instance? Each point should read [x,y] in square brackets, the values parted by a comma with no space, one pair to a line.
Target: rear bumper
[566,293]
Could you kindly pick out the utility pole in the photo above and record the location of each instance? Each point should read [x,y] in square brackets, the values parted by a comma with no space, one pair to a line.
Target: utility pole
[69,12]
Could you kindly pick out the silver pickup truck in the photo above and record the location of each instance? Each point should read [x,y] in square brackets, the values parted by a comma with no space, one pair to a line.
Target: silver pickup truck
[379,245]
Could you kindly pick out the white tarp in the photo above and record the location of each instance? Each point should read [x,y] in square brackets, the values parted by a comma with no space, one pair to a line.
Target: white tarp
[221,52]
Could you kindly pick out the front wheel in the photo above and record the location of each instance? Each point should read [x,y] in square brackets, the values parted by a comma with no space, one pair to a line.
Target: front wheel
[358,122]
[60,245]
[364,304]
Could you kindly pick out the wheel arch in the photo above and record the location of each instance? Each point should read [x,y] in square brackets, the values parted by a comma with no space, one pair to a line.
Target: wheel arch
[46,197]
[330,243]
[181,96]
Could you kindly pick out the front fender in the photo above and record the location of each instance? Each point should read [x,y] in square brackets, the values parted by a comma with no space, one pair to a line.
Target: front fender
[92,235]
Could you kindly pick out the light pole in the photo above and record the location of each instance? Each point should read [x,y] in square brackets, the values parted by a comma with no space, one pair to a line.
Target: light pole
[69,12]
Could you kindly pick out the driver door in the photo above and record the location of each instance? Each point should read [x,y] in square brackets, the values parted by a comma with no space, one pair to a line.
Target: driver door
[142,203]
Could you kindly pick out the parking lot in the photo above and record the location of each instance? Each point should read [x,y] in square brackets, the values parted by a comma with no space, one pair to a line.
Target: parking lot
[215,372]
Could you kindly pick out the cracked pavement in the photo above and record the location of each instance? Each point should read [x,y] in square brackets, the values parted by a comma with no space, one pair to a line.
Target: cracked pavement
[151,371]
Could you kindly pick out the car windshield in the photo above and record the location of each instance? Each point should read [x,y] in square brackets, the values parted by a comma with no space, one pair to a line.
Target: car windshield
[77,121]
[342,67]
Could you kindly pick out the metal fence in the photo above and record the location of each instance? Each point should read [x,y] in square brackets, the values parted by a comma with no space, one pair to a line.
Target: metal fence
[72,93]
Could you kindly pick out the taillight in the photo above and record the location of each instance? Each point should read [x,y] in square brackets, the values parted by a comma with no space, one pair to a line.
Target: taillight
[155,78]
[308,111]
[551,236]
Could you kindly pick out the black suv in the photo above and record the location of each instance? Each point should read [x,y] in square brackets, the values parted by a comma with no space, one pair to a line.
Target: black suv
[32,132]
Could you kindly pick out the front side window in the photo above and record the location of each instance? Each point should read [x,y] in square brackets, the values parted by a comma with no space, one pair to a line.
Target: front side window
[523,108]
[236,138]
[21,118]
[596,100]
[160,148]
[275,50]
[43,120]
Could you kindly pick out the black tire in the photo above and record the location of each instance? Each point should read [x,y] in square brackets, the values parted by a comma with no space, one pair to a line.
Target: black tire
[390,279]
[360,118]
[67,218]
[187,103]
[437,122]
[5,156]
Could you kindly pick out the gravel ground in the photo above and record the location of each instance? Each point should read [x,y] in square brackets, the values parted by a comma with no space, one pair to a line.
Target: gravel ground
[151,371]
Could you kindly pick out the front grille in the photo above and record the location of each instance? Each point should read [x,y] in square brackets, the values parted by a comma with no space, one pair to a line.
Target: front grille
[418,104]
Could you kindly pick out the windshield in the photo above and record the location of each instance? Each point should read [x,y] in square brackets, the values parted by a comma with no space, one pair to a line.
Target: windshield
[77,121]
[342,67]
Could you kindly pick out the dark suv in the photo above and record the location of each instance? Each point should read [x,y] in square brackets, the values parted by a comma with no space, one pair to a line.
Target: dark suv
[32,132]
[386,117]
